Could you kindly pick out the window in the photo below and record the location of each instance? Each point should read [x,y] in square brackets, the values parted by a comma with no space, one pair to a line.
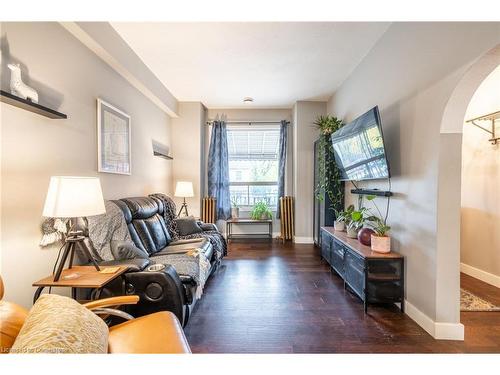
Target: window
[253,164]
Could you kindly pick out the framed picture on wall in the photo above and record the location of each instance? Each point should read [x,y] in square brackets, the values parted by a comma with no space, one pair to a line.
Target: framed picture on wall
[114,152]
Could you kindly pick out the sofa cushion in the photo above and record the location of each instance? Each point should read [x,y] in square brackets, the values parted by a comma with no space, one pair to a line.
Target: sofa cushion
[122,250]
[181,246]
[145,223]
[58,324]
[133,265]
[187,225]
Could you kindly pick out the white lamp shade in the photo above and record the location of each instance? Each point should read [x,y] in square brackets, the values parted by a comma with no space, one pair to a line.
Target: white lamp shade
[74,197]
[184,189]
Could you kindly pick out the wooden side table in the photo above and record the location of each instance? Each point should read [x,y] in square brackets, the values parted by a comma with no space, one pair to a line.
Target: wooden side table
[229,228]
[88,277]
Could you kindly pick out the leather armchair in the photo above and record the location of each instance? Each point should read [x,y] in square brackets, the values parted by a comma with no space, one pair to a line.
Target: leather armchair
[160,332]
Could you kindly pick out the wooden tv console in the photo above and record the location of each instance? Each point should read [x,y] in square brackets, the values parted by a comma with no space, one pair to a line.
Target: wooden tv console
[373,277]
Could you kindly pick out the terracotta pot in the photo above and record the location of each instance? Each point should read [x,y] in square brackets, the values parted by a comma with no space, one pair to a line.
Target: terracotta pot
[352,233]
[381,244]
[339,226]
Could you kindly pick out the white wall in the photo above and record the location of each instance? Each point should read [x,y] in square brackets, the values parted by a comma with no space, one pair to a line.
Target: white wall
[188,137]
[305,134]
[480,234]
[410,74]
[69,78]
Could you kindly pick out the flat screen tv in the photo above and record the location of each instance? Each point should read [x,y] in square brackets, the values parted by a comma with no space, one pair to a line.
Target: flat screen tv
[359,148]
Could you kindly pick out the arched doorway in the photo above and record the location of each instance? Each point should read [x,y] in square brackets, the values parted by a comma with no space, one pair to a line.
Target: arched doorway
[449,191]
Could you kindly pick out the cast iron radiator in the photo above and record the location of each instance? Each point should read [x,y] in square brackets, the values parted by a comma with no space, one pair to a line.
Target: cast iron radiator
[208,210]
[286,218]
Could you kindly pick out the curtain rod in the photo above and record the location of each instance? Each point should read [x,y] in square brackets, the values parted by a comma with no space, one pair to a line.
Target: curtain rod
[248,122]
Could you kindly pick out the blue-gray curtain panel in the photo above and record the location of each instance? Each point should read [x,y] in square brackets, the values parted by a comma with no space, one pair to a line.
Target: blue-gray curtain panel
[282,163]
[218,170]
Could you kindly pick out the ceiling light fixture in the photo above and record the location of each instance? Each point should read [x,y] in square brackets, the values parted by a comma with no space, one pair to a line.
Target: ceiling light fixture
[248,100]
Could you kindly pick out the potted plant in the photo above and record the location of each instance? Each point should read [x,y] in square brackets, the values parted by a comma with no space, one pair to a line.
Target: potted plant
[356,222]
[235,209]
[329,184]
[261,211]
[342,217]
[380,240]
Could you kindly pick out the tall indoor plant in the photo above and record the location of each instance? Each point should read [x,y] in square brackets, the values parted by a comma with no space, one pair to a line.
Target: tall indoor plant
[329,183]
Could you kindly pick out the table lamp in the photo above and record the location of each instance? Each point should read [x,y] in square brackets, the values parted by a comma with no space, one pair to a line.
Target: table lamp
[73,197]
[184,189]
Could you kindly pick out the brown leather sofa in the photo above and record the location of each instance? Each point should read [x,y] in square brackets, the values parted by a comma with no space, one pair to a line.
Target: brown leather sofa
[160,332]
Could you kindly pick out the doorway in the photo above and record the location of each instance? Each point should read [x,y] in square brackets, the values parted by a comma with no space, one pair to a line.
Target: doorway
[480,201]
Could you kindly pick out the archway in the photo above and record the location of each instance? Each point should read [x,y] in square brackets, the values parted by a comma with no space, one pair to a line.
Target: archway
[449,194]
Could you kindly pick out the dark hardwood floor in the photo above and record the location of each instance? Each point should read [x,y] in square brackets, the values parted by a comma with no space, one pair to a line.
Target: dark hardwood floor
[283,299]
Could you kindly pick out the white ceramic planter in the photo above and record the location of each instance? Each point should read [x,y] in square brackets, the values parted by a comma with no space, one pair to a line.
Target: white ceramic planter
[352,233]
[235,212]
[381,244]
[339,226]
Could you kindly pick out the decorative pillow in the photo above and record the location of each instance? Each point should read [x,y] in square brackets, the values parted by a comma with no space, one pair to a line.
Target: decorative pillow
[187,225]
[58,324]
[123,250]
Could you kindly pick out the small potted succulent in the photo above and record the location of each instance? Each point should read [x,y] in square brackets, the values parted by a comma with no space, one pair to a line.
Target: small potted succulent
[235,209]
[342,217]
[261,211]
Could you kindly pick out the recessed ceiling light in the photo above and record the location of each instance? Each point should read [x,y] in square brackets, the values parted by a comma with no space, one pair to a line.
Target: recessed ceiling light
[248,100]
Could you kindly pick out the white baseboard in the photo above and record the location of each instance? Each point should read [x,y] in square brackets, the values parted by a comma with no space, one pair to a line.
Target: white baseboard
[487,277]
[308,240]
[440,331]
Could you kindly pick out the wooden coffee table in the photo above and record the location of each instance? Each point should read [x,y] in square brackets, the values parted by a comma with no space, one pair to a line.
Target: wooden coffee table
[88,277]
[229,228]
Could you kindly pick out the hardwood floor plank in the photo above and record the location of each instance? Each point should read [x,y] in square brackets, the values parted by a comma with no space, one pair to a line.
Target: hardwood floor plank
[275,298]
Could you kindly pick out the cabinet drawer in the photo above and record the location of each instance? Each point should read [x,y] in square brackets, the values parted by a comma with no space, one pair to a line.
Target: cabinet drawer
[338,254]
[355,273]
[326,243]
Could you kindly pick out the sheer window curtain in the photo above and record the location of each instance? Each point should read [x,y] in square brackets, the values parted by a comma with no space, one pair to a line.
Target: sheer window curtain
[282,163]
[218,170]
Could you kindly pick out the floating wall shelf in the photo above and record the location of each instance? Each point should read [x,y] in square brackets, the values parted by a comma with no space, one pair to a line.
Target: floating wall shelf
[155,153]
[494,119]
[30,106]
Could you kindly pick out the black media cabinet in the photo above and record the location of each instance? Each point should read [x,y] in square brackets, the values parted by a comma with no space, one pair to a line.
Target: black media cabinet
[373,277]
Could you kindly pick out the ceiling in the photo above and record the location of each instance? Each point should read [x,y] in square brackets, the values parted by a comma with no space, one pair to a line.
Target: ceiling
[275,63]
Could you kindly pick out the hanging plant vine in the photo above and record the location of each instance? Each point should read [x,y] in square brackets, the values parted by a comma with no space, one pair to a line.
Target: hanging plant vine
[328,174]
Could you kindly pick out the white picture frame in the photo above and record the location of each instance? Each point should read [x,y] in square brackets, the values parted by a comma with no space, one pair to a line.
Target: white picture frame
[114,139]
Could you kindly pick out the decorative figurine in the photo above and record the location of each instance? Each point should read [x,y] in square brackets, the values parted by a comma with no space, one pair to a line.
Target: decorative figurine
[18,87]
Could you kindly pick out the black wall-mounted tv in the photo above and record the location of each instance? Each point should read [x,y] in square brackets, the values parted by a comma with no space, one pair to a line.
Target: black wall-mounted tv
[359,148]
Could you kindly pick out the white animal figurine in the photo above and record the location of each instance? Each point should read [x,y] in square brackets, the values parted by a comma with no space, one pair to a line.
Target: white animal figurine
[18,87]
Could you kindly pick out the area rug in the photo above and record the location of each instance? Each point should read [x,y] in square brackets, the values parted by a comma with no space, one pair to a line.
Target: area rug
[471,302]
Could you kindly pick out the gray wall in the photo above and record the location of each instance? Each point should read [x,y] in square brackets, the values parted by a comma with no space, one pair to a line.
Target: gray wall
[410,74]
[69,78]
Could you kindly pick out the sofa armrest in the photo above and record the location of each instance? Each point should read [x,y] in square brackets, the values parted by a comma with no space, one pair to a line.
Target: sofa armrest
[207,226]
[158,291]
[133,265]
[112,301]
[155,333]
